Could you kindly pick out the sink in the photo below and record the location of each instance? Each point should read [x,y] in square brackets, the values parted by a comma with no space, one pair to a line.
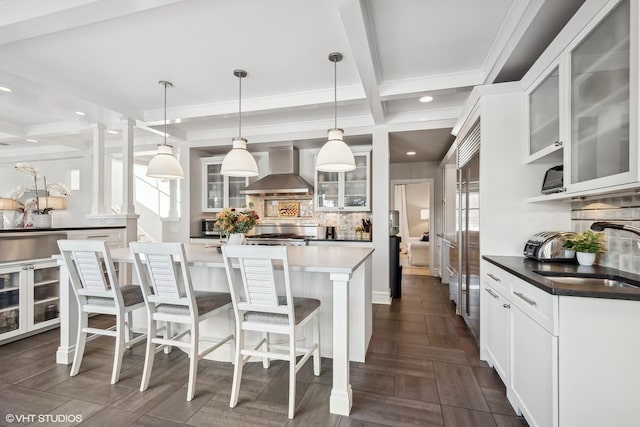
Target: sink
[586,280]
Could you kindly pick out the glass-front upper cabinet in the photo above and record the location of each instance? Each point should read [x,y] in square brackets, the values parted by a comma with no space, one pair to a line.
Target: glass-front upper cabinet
[219,191]
[600,102]
[544,115]
[346,191]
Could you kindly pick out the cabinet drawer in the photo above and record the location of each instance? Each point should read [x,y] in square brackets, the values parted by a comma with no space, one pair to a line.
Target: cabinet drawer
[497,278]
[114,238]
[539,305]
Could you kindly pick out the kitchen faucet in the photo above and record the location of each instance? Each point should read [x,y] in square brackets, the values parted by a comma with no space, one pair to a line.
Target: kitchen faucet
[600,226]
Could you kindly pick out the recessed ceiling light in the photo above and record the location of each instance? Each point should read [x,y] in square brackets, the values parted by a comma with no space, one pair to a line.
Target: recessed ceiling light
[5,89]
[426,99]
[80,113]
[32,140]
[411,153]
[112,132]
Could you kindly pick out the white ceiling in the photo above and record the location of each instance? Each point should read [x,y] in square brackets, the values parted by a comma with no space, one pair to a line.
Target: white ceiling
[105,57]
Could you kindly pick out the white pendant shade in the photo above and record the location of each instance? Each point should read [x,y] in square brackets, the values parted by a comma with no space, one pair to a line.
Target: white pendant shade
[238,161]
[335,155]
[164,165]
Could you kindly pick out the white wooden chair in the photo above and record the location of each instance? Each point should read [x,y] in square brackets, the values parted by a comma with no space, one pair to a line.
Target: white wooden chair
[95,285]
[168,293]
[258,307]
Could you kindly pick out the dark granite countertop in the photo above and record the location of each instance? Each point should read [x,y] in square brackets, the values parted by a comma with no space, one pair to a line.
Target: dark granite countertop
[35,230]
[525,268]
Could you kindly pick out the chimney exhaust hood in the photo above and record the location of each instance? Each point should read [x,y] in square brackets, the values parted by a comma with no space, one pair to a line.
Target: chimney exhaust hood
[283,177]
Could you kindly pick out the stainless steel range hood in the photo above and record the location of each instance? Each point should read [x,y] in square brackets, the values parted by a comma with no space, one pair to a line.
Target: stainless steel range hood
[283,175]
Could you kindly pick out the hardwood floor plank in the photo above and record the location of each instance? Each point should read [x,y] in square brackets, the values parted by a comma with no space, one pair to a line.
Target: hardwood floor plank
[383,346]
[506,421]
[313,410]
[433,353]
[393,411]
[497,401]
[74,412]
[400,325]
[372,381]
[82,387]
[488,377]
[439,325]
[176,408]
[246,414]
[25,401]
[416,388]
[397,365]
[110,417]
[461,417]
[457,386]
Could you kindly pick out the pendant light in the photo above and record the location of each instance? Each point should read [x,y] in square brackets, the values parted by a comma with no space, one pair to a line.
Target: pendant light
[238,161]
[335,155]
[164,165]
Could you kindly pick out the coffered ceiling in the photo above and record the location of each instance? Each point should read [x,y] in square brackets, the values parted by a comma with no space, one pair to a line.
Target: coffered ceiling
[105,58]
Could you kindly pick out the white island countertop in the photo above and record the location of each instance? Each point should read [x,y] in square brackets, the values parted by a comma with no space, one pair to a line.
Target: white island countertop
[312,259]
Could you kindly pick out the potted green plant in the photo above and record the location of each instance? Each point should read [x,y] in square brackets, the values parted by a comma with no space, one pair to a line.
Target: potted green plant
[586,244]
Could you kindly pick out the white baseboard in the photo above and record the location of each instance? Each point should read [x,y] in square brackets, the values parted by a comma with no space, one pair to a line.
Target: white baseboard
[378,297]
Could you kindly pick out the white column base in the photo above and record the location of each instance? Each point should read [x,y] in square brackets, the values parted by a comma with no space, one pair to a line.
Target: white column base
[340,403]
[64,355]
[378,297]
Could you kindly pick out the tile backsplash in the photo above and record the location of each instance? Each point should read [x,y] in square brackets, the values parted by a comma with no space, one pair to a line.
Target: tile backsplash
[622,247]
[345,222]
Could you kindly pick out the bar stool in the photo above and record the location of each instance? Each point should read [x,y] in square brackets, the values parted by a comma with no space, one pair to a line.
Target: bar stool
[258,307]
[95,285]
[163,274]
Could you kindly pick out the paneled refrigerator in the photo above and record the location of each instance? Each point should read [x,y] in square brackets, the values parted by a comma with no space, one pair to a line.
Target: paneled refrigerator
[468,243]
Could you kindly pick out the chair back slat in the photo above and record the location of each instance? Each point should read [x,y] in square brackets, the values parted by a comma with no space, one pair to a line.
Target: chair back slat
[259,282]
[257,272]
[91,269]
[163,274]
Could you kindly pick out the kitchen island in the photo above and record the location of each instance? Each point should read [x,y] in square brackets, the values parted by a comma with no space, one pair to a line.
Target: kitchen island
[340,277]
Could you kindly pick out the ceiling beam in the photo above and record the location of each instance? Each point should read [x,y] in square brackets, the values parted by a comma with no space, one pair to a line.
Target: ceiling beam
[356,22]
[392,88]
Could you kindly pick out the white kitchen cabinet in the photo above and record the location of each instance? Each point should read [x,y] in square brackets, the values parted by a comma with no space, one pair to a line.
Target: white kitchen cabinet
[497,330]
[29,297]
[346,191]
[600,152]
[220,191]
[534,370]
[583,109]
[520,340]
[543,111]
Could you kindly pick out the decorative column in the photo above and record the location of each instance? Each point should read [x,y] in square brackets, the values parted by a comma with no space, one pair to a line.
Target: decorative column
[98,206]
[128,206]
[380,208]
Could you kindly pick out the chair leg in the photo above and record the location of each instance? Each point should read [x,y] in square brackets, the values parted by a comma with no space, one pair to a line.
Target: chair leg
[292,375]
[167,335]
[150,353]
[81,340]
[193,363]
[119,350]
[316,340]
[265,361]
[129,325]
[237,370]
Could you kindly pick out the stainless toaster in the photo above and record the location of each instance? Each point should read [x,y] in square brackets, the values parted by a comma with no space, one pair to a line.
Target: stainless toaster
[547,246]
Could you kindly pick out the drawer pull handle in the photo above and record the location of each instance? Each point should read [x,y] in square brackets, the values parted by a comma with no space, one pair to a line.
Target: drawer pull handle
[528,300]
[493,277]
[491,293]
[104,236]
[558,143]
[506,305]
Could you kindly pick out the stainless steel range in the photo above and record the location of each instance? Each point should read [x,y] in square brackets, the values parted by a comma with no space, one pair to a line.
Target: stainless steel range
[283,234]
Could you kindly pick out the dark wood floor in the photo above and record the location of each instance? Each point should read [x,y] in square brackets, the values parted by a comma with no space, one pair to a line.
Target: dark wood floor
[422,369]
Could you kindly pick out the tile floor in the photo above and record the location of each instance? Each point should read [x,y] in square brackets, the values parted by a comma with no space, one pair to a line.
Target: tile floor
[422,370]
